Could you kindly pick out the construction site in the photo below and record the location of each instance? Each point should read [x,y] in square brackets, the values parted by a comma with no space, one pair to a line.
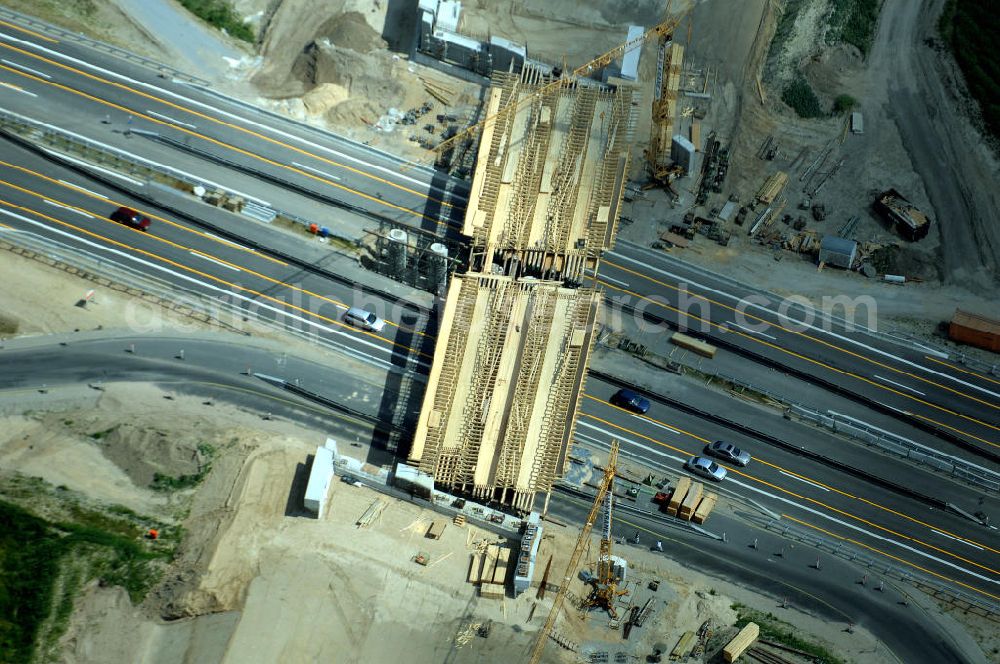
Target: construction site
[506,525]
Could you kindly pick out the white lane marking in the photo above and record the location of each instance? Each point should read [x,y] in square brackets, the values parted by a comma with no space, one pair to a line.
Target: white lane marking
[750,331]
[170,119]
[803,480]
[217,262]
[905,387]
[234,116]
[115,150]
[89,191]
[225,292]
[87,164]
[974,546]
[813,511]
[23,68]
[617,281]
[229,242]
[656,424]
[797,322]
[71,209]
[18,88]
[316,171]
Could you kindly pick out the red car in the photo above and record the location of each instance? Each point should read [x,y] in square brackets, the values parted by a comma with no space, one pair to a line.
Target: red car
[130,217]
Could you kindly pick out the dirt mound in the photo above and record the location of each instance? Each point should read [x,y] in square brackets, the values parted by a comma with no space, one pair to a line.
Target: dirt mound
[350,31]
[143,452]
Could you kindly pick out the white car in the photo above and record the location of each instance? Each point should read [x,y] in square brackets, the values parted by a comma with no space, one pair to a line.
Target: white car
[706,468]
[364,319]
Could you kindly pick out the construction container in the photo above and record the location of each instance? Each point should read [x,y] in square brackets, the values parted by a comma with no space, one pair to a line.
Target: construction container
[838,251]
[318,485]
[904,215]
[683,484]
[857,123]
[694,345]
[705,508]
[741,642]
[691,501]
[975,330]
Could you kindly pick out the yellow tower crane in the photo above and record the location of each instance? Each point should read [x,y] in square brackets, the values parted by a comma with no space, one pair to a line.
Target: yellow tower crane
[662,29]
[605,586]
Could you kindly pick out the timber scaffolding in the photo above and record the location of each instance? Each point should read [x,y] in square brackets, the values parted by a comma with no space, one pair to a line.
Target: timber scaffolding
[549,177]
[503,392]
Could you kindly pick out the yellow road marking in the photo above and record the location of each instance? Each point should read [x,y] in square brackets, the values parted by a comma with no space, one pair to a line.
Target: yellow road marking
[859,356]
[30,32]
[112,202]
[889,555]
[806,498]
[205,275]
[959,369]
[181,247]
[230,125]
[829,368]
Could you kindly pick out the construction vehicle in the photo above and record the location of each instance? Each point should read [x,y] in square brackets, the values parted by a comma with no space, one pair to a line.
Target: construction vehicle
[665,27]
[605,585]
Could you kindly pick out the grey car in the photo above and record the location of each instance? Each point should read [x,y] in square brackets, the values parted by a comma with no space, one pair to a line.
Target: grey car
[706,468]
[720,449]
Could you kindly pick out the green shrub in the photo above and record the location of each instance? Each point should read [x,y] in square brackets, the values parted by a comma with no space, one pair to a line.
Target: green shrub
[844,103]
[800,97]
[220,13]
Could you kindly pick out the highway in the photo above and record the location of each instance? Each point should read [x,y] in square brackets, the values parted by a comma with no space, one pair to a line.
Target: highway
[98,87]
[895,526]
[60,204]
[955,404]
[306,289]
[212,370]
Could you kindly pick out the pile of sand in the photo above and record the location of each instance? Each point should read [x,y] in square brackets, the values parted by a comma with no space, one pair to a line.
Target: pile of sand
[350,31]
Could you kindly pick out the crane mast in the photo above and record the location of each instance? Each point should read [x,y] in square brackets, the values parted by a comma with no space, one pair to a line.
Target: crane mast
[603,497]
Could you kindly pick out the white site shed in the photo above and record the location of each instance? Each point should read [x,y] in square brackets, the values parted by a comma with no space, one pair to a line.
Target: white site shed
[318,487]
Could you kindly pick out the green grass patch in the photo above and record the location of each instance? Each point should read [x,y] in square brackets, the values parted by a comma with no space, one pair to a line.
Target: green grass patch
[971,29]
[775,629]
[800,97]
[854,21]
[785,25]
[220,14]
[163,482]
[43,564]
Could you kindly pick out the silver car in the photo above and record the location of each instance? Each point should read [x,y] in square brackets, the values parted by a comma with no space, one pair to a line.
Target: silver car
[364,319]
[720,449]
[706,468]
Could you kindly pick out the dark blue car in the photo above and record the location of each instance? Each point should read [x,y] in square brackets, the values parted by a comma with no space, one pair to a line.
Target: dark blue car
[630,400]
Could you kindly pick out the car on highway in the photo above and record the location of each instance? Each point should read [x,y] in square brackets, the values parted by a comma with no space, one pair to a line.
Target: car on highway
[706,468]
[630,400]
[364,319]
[720,449]
[130,218]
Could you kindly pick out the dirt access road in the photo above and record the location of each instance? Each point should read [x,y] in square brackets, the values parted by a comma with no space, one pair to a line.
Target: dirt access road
[959,172]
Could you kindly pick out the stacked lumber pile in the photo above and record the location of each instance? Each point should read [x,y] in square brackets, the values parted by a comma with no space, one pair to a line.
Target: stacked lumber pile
[690,501]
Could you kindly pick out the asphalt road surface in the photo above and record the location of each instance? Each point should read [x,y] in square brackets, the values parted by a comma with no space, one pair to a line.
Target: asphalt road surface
[958,405]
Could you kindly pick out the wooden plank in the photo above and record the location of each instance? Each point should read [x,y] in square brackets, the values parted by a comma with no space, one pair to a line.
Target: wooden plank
[683,484]
[741,642]
[475,566]
[705,508]
[684,646]
[691,500]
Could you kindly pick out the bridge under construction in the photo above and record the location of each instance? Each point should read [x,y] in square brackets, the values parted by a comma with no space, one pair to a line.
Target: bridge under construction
[518,328]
